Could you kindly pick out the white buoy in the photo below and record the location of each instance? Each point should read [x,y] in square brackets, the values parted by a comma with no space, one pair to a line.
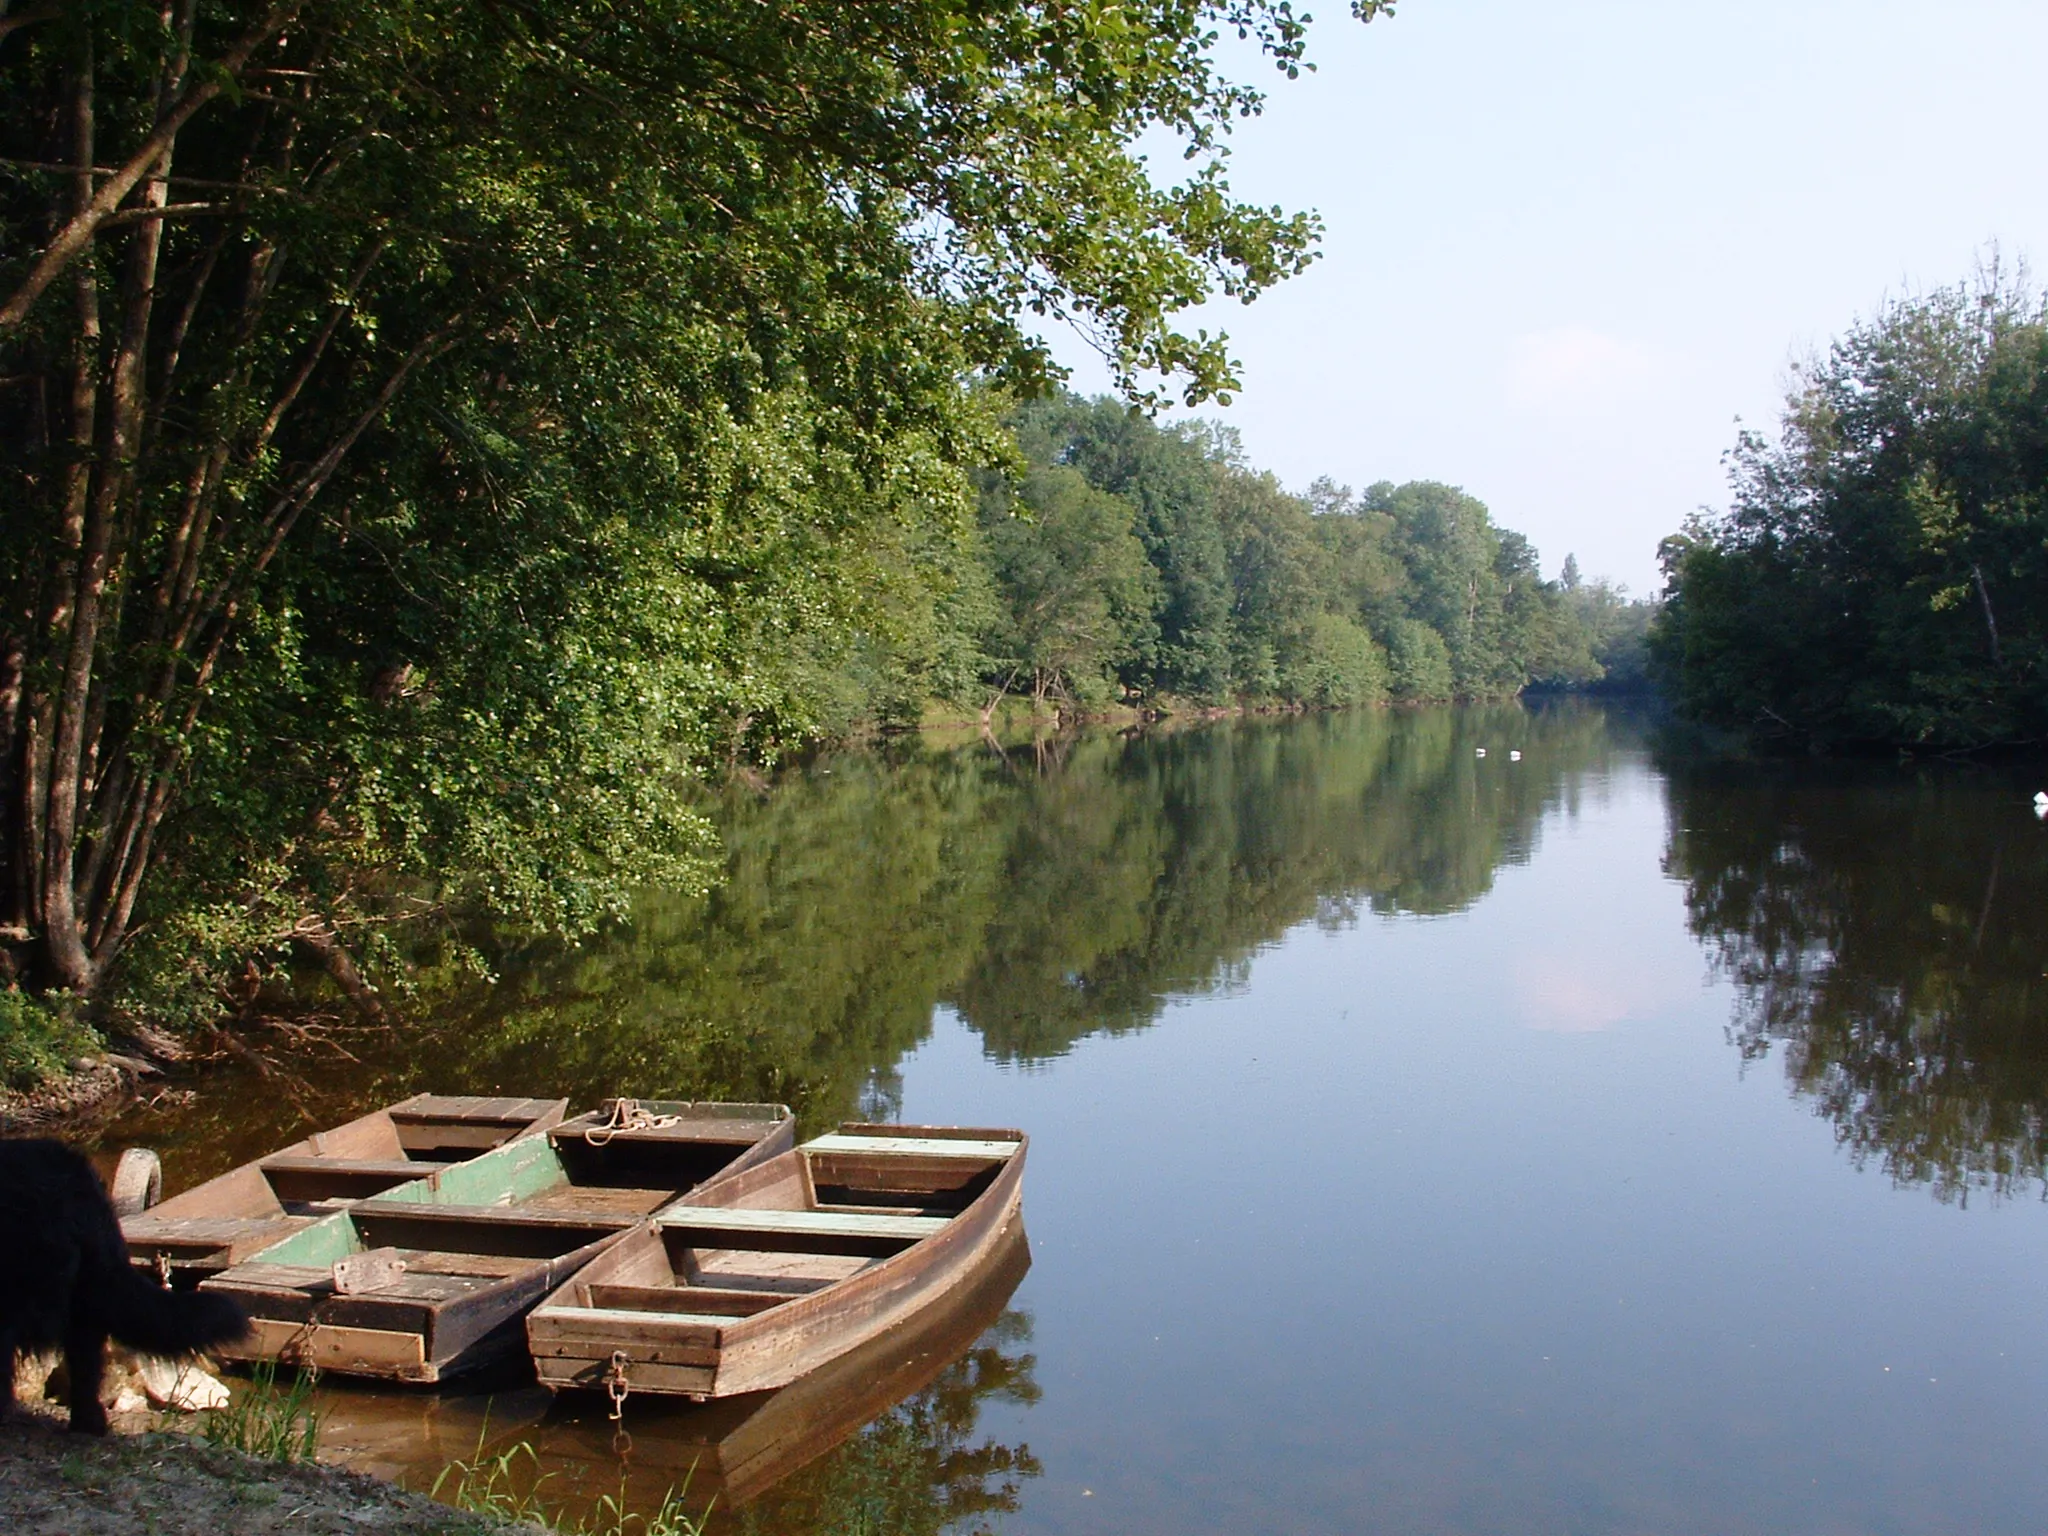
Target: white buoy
[1514,757]
[2041,803]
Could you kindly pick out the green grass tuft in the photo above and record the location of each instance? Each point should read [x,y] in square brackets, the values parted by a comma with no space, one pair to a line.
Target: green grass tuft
[269,1421]
[508,1486]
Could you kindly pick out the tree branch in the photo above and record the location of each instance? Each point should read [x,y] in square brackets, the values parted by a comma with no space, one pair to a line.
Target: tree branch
[78,232]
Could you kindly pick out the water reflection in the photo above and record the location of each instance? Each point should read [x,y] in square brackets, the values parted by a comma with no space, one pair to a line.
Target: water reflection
[1043,896]
[1884,927]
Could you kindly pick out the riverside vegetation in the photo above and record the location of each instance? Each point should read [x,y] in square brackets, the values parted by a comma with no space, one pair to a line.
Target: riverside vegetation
[438,439]
[1882,574]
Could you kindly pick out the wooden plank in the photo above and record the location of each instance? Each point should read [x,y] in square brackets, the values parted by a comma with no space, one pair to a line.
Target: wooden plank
[866,1128]
[681,1300]
[682,1380]
[199,1229]
[808,1232]
[373,1351]
[578,1333]
[481,1266]
[394,1168]
[574,1198]
[486,1215]
[913,1146]
[696,1218]
[431,1131]
[630,1323]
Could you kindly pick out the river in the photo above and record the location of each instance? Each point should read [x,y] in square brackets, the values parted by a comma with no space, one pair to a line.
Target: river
[1493,1119]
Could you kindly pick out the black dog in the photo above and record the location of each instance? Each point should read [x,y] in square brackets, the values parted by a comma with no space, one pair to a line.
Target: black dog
[65,1279]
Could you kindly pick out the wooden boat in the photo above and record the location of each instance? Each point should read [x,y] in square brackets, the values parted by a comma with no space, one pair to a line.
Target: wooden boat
[431,1278]
[225,1220]
[727,1453]
[750,1284]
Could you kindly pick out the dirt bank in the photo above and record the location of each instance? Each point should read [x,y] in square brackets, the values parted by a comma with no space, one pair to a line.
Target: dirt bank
[58,1484]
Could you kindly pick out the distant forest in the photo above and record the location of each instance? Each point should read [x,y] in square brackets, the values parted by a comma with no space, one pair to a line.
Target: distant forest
[1119,561]
[1882,574]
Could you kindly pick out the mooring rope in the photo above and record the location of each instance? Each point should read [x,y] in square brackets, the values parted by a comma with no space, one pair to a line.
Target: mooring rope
[628,1115]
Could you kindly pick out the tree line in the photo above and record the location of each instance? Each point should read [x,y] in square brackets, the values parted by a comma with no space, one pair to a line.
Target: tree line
[1881,576]
[1117,560]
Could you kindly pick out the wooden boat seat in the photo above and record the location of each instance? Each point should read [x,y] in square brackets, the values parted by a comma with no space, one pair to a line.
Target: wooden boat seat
[913,1146]
[607,1199]
[483,1229]
[427,1276]
[397,1169]
[709,1301]
[838,1232]
[207,1232]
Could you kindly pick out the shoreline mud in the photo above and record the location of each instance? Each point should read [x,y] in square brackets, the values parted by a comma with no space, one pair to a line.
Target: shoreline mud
[54,1483]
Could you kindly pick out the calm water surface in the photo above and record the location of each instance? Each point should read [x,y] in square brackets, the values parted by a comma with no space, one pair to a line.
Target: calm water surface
[1604,1141]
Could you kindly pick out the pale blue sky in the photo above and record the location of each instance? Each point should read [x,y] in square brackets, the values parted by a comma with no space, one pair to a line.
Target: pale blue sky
[1568,243]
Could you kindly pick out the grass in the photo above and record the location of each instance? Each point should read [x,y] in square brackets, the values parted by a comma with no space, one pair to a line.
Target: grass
[269,1421]
[38,1040]
[507,1486]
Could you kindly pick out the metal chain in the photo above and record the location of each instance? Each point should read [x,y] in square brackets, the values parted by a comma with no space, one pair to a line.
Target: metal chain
[616,1386]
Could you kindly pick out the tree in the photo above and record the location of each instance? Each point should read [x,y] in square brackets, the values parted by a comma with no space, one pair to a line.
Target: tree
[430,429]
[1882,572]
[1076,592]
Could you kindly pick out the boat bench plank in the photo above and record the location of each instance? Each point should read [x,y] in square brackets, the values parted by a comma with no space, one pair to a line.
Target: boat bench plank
[413,1285]
[796,1231]
[381,1167]
[847,1223]
[581,1199]
[684,1301]
[487,1215]
[912,1146]
[443,1106]
[631,1320]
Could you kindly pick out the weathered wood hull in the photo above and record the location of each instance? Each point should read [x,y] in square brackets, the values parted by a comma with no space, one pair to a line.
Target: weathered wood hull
[232,1217]
[454,1263]
[727,1453]
[770,1276]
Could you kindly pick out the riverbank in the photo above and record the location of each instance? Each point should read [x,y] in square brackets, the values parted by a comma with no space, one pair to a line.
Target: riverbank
[53,1483]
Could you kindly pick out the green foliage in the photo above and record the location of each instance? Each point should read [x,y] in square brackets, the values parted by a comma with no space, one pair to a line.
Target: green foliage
[267,1420]
[1256,594]
[1418,661]
[1882,573]
[1332,662]
[1075,593]
[525,413]
[39,1038]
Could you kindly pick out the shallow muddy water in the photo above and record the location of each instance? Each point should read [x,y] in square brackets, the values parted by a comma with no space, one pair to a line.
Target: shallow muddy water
[1604,1140]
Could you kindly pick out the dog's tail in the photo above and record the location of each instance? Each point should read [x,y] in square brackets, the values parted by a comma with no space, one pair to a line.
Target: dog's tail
[146,1317]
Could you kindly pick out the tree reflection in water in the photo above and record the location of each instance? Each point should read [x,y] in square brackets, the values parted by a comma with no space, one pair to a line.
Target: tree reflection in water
[1886,927]
[1045,896]
[920,1468]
